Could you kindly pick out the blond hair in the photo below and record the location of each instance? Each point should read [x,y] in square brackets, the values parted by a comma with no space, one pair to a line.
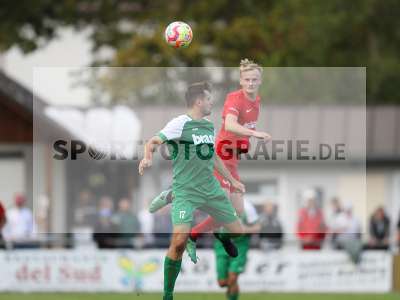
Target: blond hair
[249,65]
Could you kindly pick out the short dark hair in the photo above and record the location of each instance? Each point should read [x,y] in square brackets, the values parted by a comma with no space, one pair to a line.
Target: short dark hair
[195,90]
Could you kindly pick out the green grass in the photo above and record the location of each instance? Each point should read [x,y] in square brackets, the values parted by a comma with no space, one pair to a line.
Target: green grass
[193,296]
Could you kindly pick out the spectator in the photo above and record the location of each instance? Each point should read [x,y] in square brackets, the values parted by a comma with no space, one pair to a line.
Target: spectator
[379,230]
[348,233]
[127,224]
[18,232]
[398,232]
[311,225]
[105,231]
[271,234]
[162,228]
[336,211]
[85,211]
[3,221]
[146,220]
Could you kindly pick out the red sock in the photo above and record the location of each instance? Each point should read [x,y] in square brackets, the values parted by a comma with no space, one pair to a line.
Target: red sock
[206,226]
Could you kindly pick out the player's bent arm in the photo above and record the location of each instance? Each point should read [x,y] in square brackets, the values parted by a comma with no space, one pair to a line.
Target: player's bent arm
[149,148]
[232,125]
[219,165]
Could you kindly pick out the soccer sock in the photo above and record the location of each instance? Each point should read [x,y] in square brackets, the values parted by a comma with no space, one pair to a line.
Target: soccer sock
[171,271]
[233,296]
[207,225]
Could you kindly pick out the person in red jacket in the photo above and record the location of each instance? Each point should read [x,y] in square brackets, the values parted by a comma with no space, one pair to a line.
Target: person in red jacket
[3,218]
[311,228]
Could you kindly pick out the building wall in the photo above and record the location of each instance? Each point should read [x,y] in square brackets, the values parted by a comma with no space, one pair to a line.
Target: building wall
[12,173]
[16,124]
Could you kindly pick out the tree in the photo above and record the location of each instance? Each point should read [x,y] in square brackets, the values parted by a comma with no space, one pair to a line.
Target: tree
[335,33]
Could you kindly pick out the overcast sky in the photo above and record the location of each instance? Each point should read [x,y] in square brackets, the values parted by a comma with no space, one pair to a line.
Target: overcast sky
[71,50]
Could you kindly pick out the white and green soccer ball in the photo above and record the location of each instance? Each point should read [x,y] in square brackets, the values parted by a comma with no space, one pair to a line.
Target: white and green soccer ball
[178,34]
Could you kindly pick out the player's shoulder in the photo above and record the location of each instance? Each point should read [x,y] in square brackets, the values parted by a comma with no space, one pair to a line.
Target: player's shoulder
[181,119]
[234,94]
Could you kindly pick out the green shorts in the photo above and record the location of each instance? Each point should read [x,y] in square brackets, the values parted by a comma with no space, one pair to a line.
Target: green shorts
[217,205]
[226,264]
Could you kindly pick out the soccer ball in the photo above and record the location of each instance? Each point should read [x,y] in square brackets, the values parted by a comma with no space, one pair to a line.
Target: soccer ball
[178,34]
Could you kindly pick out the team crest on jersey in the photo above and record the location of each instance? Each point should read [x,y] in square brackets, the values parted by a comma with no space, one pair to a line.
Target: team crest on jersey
[203,139]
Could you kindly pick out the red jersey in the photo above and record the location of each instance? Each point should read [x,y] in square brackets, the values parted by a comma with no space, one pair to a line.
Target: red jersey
[247,111]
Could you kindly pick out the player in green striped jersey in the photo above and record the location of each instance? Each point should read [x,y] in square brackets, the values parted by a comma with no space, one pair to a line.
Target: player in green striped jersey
[191,139]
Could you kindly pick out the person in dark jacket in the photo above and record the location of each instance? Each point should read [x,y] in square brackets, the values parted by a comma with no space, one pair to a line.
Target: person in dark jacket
[379,230]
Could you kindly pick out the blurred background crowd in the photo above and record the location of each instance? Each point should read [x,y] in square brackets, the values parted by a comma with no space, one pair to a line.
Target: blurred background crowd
[113,223]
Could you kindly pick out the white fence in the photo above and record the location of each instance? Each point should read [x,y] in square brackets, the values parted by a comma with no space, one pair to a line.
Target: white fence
[125,271]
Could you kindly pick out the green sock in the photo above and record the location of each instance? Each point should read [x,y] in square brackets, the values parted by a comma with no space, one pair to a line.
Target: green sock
[233,296]
[171,271]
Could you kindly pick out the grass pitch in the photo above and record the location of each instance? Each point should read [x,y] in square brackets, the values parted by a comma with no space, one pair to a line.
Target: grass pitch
[194,296]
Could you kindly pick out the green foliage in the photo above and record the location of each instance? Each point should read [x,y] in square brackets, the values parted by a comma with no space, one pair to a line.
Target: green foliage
[285,33]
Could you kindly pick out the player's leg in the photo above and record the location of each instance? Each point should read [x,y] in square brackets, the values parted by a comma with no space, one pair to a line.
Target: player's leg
[173,260]
[235,228]
[210,224]
[237,266]
[233,286]
[221,209]
[234,196]
[182,217]
[161,200]
[222,264]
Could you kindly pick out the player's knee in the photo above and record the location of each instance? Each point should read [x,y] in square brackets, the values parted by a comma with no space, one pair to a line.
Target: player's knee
[222,282]
[178,245]
[240,230]
[232,280]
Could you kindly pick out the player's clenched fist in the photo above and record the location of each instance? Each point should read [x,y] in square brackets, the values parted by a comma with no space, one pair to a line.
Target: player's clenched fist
[144,163]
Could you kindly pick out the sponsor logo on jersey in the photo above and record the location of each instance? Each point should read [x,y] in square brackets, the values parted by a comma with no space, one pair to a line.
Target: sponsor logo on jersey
[250,125]
[203,139]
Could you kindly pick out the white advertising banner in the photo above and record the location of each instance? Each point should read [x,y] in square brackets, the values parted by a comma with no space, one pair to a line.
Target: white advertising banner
[126,271]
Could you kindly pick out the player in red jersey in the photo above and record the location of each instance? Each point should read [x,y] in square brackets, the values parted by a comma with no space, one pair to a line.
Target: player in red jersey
[239,118]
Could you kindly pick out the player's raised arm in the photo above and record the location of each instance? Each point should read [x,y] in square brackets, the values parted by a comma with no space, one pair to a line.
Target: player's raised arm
[232,125]
[149,148]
